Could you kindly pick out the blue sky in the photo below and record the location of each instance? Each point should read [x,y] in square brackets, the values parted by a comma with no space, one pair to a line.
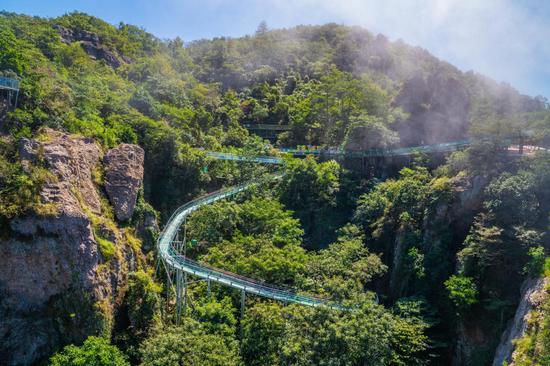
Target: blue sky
[504,39]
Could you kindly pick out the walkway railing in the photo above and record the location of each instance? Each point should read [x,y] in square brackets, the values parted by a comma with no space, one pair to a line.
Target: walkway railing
[402,151]
[8,83]
[253,159]
[177,261]
[180,263]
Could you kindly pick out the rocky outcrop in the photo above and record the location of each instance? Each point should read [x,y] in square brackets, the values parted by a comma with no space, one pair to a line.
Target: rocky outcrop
[445,225]
[123,178]
[148,230]
[72,161]
[531,295]
[91,43]
[56,284]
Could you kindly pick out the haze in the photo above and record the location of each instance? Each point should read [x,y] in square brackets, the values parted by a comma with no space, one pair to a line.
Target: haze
[500,38]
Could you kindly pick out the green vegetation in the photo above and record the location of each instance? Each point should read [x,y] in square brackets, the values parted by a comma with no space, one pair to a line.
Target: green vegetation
[462,291]
[420,249]
[94,352]
[534,347]
[20,186]
[190,344]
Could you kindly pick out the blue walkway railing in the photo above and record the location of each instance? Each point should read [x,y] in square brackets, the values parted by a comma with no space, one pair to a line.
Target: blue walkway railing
[401,151]
[253,159]
[177,261]
[8,83]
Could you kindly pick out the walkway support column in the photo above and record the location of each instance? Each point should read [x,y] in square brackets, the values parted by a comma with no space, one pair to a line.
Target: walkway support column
[243,298]
[179,290]
[185,294]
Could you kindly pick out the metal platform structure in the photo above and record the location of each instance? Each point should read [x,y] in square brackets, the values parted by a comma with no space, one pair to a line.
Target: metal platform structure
[266,131]
[172,251]
[251,159]
[334,152]
[10,87]
[173,254]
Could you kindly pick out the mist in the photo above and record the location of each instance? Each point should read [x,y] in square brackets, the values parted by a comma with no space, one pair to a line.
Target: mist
[502,39]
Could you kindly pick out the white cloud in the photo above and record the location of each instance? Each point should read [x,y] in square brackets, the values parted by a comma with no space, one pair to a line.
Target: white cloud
[500,38]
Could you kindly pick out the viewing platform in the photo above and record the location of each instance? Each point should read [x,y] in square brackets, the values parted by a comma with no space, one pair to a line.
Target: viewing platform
[266,131]
[9,84]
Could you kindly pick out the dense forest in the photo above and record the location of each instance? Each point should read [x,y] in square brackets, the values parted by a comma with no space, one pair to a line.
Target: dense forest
[431,253]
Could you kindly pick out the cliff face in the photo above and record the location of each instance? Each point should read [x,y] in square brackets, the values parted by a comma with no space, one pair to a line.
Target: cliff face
[123,177]
[92,45]
[532,293]
[443,228]
[447,218]
[62,276]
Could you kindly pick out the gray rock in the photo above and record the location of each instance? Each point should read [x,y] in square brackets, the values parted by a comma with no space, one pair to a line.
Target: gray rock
[27,150]
[123,178]
[517,327]
[91,43]
[52,273]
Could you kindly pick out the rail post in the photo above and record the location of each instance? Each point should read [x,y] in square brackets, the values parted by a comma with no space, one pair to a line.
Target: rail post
[243,298]
[208,289]
[179,286]
[185,294]
[168,288]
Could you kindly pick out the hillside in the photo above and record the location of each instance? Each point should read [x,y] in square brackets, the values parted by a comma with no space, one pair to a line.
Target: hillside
[433,252]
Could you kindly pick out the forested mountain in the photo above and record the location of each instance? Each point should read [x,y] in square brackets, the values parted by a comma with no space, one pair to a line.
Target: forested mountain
[111,133]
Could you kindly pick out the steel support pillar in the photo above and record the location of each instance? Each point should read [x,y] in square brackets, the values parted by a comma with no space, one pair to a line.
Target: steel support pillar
[179,289]
[185,294]
[168,288]
[243,298]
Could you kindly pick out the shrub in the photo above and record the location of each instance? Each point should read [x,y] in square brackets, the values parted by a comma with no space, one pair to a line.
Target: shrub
[95,351]
[462,291]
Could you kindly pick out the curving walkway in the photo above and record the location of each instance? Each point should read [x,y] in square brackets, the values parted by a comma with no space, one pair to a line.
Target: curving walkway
[178,262]
[402,151]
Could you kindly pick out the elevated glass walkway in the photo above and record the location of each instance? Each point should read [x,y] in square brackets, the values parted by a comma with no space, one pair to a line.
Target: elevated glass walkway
[9,84]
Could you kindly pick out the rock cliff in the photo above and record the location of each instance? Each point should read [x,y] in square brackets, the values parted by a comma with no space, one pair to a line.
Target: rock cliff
[91,44]
[532,295]
[123,177]
[62,276]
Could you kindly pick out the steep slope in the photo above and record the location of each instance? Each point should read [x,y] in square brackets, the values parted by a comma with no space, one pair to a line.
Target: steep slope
[62,275]
[92,92]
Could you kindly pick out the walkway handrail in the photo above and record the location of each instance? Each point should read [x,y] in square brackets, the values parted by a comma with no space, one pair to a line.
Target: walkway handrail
[401,151]
[252,159]
[178,261]
[9,83]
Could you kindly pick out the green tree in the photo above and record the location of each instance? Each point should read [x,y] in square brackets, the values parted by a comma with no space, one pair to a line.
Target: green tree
[366,133]
[535,266]
[369,335]
[483,248]
[259,258]
[217,317]
[310,190]
[94,352]
[511,198]
[263,334]
[143,300]
[462,291]
[189,344]
[344,269]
